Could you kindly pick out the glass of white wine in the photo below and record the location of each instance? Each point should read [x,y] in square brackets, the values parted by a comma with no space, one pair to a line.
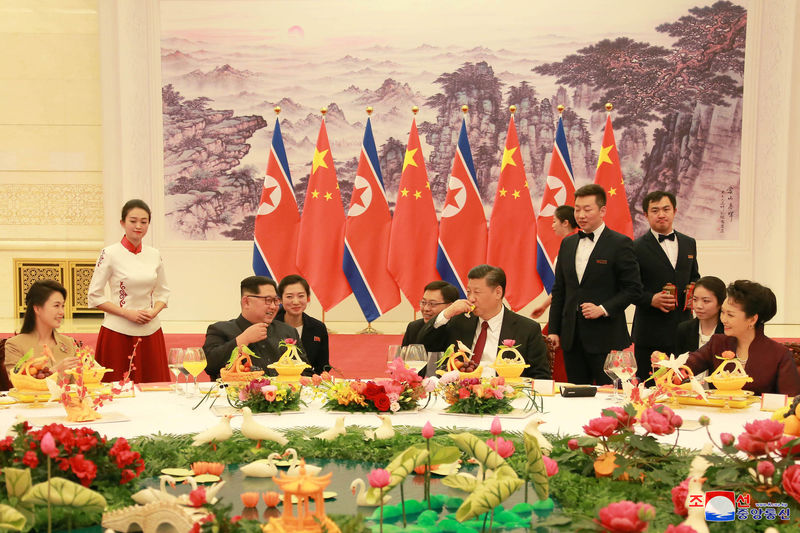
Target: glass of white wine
[608,368]
[194,361]
[415,356]
[175,364]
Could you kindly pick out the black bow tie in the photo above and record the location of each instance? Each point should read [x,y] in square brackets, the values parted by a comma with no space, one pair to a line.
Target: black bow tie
[662,238]
[582,234]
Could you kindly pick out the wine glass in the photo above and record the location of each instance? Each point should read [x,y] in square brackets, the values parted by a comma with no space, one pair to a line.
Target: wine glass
[175,364]
[415,356]
[608,368]
[624,366]
[395,351]
[194,361]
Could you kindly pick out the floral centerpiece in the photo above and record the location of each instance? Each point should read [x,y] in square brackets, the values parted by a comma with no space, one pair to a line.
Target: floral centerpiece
[476,395]
[399,392]
[266,396]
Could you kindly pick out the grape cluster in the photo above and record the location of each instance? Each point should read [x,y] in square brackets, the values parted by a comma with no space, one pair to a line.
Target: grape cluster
[469,366]
[43,373]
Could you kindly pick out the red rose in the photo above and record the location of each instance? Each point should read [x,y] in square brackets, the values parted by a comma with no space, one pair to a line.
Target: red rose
[625,517]
[84,469]
[198,497]
[659,420]
[463,393]
[30,459]
[372,391]
[791,481]
[679,495]
[625,420]
[7,444]
[603,426]
[382,402]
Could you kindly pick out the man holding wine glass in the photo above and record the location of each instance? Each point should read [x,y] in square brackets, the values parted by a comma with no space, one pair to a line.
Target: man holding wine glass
[255,328]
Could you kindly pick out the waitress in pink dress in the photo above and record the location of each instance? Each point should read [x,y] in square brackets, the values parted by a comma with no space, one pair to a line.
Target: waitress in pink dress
[138,293]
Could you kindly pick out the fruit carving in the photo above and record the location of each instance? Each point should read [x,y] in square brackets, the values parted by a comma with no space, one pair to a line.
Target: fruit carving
[30,372]
[461,359]
[92,370]
[240,366]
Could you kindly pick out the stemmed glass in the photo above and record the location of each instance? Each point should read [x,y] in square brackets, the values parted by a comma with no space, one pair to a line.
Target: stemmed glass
[624,366]
[175,364]
[609,369]
[395,351]
[194,362]
[415,356]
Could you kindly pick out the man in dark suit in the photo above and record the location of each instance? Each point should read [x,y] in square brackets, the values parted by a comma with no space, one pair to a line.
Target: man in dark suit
[255,328]
[295,294]
[482,322]
[664,256]
[597,278]
[438,295]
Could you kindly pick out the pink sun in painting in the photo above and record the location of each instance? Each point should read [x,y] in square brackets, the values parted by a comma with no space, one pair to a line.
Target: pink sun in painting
[296,31]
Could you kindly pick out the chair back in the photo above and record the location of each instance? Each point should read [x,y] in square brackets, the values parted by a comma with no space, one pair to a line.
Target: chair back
[5,383]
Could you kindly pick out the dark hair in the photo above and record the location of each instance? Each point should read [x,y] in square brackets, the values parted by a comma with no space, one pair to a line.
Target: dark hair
[133,204]
[655,196]
[291,279]
[592,190]
[494,276]
[566,212]
[449,292]
[754,298]
[713,284]
[37,295]
[252,284]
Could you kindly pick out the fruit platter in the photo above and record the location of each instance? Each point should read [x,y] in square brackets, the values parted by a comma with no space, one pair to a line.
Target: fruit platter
[240,367]
[462,360]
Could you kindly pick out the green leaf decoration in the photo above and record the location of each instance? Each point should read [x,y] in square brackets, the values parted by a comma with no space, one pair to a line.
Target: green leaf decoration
[11,519]
[235,354]
[535,468]
[647,444]
[399,468]
[472,445]
[23,359]
[441,455]
[18,481]
[464,482]
[587,441]
[65,492]
[487,496]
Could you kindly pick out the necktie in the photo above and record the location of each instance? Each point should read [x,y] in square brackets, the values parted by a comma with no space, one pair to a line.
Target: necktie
[480,343]
[582,234]
[662,238]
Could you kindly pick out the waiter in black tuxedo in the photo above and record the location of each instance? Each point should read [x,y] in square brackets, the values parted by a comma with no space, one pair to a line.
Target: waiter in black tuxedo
[664,256]
[597,278]
[482,322]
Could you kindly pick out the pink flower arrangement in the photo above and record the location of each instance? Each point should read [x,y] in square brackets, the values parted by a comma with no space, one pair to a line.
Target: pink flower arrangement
[603,426]
[503,447]
[551,466]
[625,517]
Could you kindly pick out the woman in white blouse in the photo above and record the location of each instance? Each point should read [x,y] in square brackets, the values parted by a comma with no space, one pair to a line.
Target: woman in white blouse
[138,293]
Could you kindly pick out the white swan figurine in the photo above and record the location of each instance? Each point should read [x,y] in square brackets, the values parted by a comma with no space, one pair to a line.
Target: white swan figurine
[151,495]
[294,466]
[262,467]
[359,489]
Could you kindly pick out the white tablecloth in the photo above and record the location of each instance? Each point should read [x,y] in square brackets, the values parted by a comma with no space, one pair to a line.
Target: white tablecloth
[165,412]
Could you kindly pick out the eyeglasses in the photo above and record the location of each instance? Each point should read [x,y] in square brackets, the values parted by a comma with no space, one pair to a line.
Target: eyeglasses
[269,300]
[426,303]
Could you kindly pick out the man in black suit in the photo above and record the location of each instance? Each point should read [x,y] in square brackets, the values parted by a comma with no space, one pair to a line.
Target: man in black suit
[664,256]
[438,295]
[482,322]
[597,278]
[255,327]
[295,293]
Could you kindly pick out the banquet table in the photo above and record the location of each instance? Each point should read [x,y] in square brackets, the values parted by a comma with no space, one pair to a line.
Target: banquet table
[166,412]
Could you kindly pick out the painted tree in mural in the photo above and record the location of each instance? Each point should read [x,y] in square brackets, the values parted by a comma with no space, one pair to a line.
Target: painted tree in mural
[206,191]
[688,86]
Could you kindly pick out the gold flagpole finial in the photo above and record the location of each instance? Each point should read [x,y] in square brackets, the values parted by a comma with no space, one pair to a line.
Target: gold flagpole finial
[277,110]
[323,111]
[560,109]
[464,109]
[609,107]
[415,110]
[369,111]
[512,108]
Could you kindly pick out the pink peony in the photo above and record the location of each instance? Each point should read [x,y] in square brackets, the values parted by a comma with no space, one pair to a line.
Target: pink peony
[791,482]
[765,468]
[429,384]
[751,446]
[625,517]
[726,438]
[503,447]
[679,495]
[379,478]
[450,377]
[572,444]
[508,342]
[48,445]
[427,430]
[659,420]
[680,528]
[496,428]
[551,467]
[603,426]
[765,430]
[625,420]
[785,440]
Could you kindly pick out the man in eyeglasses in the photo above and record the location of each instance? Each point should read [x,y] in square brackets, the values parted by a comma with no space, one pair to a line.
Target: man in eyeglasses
[437,296]
[255,328]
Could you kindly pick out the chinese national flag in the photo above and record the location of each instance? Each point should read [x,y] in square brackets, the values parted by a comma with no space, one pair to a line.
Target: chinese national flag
[320,245]
[512,228]
[413,240]
[609,177]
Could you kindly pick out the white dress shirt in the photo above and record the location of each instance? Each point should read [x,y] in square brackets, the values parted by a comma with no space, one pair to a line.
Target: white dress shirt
[670,247]
[585,247]
[136,281]
[492,334]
